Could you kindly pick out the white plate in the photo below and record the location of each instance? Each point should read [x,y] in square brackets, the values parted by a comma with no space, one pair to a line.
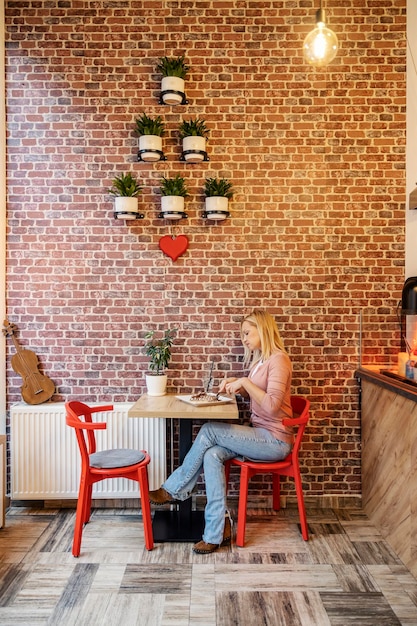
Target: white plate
[221,400]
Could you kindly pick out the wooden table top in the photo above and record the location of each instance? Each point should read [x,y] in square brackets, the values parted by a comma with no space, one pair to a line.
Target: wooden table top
[169,406]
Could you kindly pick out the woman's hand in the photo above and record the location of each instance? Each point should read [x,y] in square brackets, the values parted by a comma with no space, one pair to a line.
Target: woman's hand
[233,386]
[225,381]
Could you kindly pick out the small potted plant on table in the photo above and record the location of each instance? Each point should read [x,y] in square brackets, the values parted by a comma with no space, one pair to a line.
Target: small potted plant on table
[194,135]
[173,70]
[126,189]
[150,131]
[159,353]
[173,191]
[218,192]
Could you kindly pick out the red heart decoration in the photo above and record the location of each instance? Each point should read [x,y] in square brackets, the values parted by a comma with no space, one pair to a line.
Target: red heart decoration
[173,246]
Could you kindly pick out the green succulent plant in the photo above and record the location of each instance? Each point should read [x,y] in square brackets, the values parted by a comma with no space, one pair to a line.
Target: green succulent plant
[193,128]
[171,66]
[125,185]
[218,187]
[159,350]
[174,186]
[150,126]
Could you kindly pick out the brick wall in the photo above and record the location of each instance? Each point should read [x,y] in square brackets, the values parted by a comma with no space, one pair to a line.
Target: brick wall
[317,158]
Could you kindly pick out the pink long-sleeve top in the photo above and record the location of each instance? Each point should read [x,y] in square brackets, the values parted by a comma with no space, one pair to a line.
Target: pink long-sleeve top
[274,377]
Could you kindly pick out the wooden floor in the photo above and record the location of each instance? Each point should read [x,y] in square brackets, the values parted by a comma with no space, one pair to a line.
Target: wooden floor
[345,574]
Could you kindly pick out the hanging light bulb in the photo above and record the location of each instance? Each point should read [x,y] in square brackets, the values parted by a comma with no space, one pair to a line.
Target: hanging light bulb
[321,45]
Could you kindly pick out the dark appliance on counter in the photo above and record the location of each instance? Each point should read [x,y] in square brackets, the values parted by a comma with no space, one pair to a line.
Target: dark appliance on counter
[409,296]
[408,308]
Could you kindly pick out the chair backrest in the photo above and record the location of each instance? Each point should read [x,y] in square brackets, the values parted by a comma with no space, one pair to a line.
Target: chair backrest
[79,417]
[301,415]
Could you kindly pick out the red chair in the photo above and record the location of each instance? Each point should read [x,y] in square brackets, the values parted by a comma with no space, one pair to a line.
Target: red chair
[288,467]
[96,466]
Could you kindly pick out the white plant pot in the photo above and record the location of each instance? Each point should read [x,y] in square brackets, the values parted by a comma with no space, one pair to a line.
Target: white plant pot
[172,207]
[171,85]
[126,208]
[217,207]
[153,143]
[190,144]
[156,385]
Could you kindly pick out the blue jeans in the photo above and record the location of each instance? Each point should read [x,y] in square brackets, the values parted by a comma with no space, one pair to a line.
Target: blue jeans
[216,443]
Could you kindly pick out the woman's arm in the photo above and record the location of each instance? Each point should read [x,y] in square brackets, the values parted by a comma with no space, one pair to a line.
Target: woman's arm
[273,387]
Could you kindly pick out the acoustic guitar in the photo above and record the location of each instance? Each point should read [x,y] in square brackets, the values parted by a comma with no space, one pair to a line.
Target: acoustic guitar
[36,387]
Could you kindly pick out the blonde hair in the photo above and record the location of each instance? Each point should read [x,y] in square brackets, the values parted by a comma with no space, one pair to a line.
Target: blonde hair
[268,334]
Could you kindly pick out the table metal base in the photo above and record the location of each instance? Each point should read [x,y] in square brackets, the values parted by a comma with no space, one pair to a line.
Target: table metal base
[180,526]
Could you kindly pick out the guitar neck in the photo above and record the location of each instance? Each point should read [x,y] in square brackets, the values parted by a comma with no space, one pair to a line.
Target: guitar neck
[16,343]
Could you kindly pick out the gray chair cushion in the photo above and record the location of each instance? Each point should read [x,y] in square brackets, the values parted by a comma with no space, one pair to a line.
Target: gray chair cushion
[121,457]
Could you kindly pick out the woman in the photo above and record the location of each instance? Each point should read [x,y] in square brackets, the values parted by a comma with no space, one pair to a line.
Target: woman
[269,387]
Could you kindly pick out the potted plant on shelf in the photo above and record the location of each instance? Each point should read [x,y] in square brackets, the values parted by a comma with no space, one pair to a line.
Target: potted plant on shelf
[194,134]
[150,131]
[159,353]
[126,189]
[173,70]
[173,191]
[218,192]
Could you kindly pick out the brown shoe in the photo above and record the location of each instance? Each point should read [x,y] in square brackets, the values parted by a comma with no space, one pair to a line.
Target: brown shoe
[207,548]
[160,496]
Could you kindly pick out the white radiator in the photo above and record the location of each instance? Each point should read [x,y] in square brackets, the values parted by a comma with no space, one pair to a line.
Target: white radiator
[45,458]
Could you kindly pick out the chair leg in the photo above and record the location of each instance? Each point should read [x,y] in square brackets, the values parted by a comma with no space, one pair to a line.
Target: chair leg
[276,492]
[227,475]
[301,505]
[146,507]
[243,502]
[87,504]
[79,518]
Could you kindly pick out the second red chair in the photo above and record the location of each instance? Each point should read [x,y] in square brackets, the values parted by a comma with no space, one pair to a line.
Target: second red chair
[288,467]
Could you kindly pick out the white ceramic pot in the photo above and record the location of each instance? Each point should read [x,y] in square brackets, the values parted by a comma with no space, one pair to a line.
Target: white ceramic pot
[150,142]
[126,208]
[172,207]
[156,385]
[191,144]
[217,207]
[171,85]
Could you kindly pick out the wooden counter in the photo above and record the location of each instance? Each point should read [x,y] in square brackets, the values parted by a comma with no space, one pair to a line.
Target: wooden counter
[402,387]
[389,461]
